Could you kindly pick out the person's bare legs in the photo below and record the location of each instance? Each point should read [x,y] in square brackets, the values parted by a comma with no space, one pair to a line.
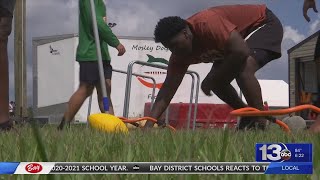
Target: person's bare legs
[75,103]
[251,89]
[99,93]
[5,30]
[222,87]
[221,78]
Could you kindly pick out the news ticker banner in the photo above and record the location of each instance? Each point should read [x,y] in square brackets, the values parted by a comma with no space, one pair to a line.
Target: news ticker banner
[271,158]
[152,168]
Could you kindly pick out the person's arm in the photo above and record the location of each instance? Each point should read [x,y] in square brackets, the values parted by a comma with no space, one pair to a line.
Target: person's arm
[173,80]
[105,32]
[308,4]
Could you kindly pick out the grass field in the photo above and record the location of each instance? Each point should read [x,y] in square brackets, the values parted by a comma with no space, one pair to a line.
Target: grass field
[81,144]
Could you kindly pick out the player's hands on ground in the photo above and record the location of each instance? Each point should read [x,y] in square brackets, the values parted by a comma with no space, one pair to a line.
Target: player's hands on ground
[121,49]
[148,124]
[308,4]
[161,123]
[206,88]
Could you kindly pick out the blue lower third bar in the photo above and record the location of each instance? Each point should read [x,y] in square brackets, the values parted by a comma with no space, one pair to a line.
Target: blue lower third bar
[290,168]
[8,167]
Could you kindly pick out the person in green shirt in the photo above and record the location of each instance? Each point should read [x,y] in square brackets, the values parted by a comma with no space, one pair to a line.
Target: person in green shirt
[87,57]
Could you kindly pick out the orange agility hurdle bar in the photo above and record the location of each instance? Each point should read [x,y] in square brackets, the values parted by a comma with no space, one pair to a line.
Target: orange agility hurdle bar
[249,111]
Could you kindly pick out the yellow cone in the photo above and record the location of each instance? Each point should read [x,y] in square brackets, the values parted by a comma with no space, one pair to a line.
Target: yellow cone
[107,123]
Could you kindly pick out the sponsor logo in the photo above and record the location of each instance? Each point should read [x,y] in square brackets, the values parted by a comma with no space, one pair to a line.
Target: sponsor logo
[33,168]
[156,74]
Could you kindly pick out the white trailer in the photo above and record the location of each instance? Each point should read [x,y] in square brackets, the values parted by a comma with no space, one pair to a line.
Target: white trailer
[56,76]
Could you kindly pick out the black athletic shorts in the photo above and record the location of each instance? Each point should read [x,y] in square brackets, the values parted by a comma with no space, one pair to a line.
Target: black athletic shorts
[265,41]
[89,71]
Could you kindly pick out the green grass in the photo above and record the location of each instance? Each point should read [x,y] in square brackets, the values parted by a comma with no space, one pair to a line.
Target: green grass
[81,144]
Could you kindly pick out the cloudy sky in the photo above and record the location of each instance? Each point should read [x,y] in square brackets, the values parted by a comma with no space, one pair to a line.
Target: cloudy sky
[138,18]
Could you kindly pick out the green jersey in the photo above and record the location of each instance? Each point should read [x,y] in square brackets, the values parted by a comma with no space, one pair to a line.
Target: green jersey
[87,50]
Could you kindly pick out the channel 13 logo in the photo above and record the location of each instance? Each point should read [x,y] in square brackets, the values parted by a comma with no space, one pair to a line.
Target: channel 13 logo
[272,152]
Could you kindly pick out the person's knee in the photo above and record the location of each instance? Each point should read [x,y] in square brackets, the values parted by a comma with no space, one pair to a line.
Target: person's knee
[5,28]
[212,84]
[245,75]
[249,70]
[87,89]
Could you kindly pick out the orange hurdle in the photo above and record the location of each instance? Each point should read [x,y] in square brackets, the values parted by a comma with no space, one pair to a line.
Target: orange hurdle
[249,111]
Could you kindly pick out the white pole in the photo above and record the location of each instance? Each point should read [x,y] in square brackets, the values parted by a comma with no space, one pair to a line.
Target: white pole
[101,71]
